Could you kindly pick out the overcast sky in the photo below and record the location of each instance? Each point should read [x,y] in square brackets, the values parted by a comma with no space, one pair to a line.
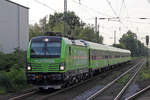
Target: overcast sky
[87,10]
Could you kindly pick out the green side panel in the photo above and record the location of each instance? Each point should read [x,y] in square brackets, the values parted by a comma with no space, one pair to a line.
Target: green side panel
[104,63]
[63,49]
[77,58]
[28,53]
[99,63]
[118,60]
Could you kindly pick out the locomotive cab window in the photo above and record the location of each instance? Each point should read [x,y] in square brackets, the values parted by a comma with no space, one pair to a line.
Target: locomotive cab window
[45,49]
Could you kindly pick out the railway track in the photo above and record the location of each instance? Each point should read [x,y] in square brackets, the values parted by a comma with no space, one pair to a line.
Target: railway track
[72,93]
[44,96]
[40,96]
[138,94]
[109,88]
[23,95]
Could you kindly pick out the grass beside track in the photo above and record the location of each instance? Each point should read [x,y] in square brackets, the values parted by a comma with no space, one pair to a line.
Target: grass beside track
[143,75]
[145,72]
[124,79]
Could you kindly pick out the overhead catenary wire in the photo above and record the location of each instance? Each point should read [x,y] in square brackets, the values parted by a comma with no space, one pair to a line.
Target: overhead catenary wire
[39,2]
[123,3]
[141,18]
[109,3]
[126,8]
[137,22]
[83,8]
[94,10]
[98,12]
[121,8]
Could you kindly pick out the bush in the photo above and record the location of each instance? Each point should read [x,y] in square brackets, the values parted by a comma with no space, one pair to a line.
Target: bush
[4,82]
[2,90]
[17,57]
[18,80]
[13,80]
[12,75]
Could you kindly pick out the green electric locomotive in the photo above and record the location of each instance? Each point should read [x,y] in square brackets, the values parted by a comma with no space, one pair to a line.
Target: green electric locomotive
[53,62]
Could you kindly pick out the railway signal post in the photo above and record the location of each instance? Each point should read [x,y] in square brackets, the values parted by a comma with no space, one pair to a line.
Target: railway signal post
[147,42]
[65,15]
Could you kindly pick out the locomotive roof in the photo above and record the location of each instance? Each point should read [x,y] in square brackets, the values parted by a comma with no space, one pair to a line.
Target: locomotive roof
[106,47]
[89,44]
[40,38]
[74,42]
[97,46]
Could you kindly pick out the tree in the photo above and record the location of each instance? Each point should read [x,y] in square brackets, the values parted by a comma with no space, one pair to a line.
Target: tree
[129,41]
[75,27]
[119,46]
[35,30]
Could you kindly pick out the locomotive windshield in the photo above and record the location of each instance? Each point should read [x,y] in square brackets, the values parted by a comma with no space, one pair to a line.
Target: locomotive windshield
[45,49]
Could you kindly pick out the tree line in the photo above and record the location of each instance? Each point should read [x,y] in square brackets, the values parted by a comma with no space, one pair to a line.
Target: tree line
[74,27]
[129,41]
[77,29]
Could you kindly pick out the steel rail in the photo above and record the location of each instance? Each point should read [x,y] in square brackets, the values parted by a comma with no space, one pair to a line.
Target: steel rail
[111,83]
[23,95]
[138,93]
[129,82]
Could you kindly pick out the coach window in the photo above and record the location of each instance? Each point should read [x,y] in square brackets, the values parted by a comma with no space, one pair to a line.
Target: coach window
[106,57]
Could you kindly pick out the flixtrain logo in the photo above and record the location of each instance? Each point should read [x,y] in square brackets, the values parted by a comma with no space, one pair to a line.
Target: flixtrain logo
[44,61]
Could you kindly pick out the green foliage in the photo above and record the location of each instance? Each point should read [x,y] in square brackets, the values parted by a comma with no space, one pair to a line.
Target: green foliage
[119,46]
[129,41]
[17,57]
[35,30]
[74,27]
[13,80]
[3,81]
[2,90]
[18,80]
[12,75]
[144,73]
[124,79]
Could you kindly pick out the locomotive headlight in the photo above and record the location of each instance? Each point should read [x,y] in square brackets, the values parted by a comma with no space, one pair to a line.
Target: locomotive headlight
[29,67]
[46,39]
[62,66]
